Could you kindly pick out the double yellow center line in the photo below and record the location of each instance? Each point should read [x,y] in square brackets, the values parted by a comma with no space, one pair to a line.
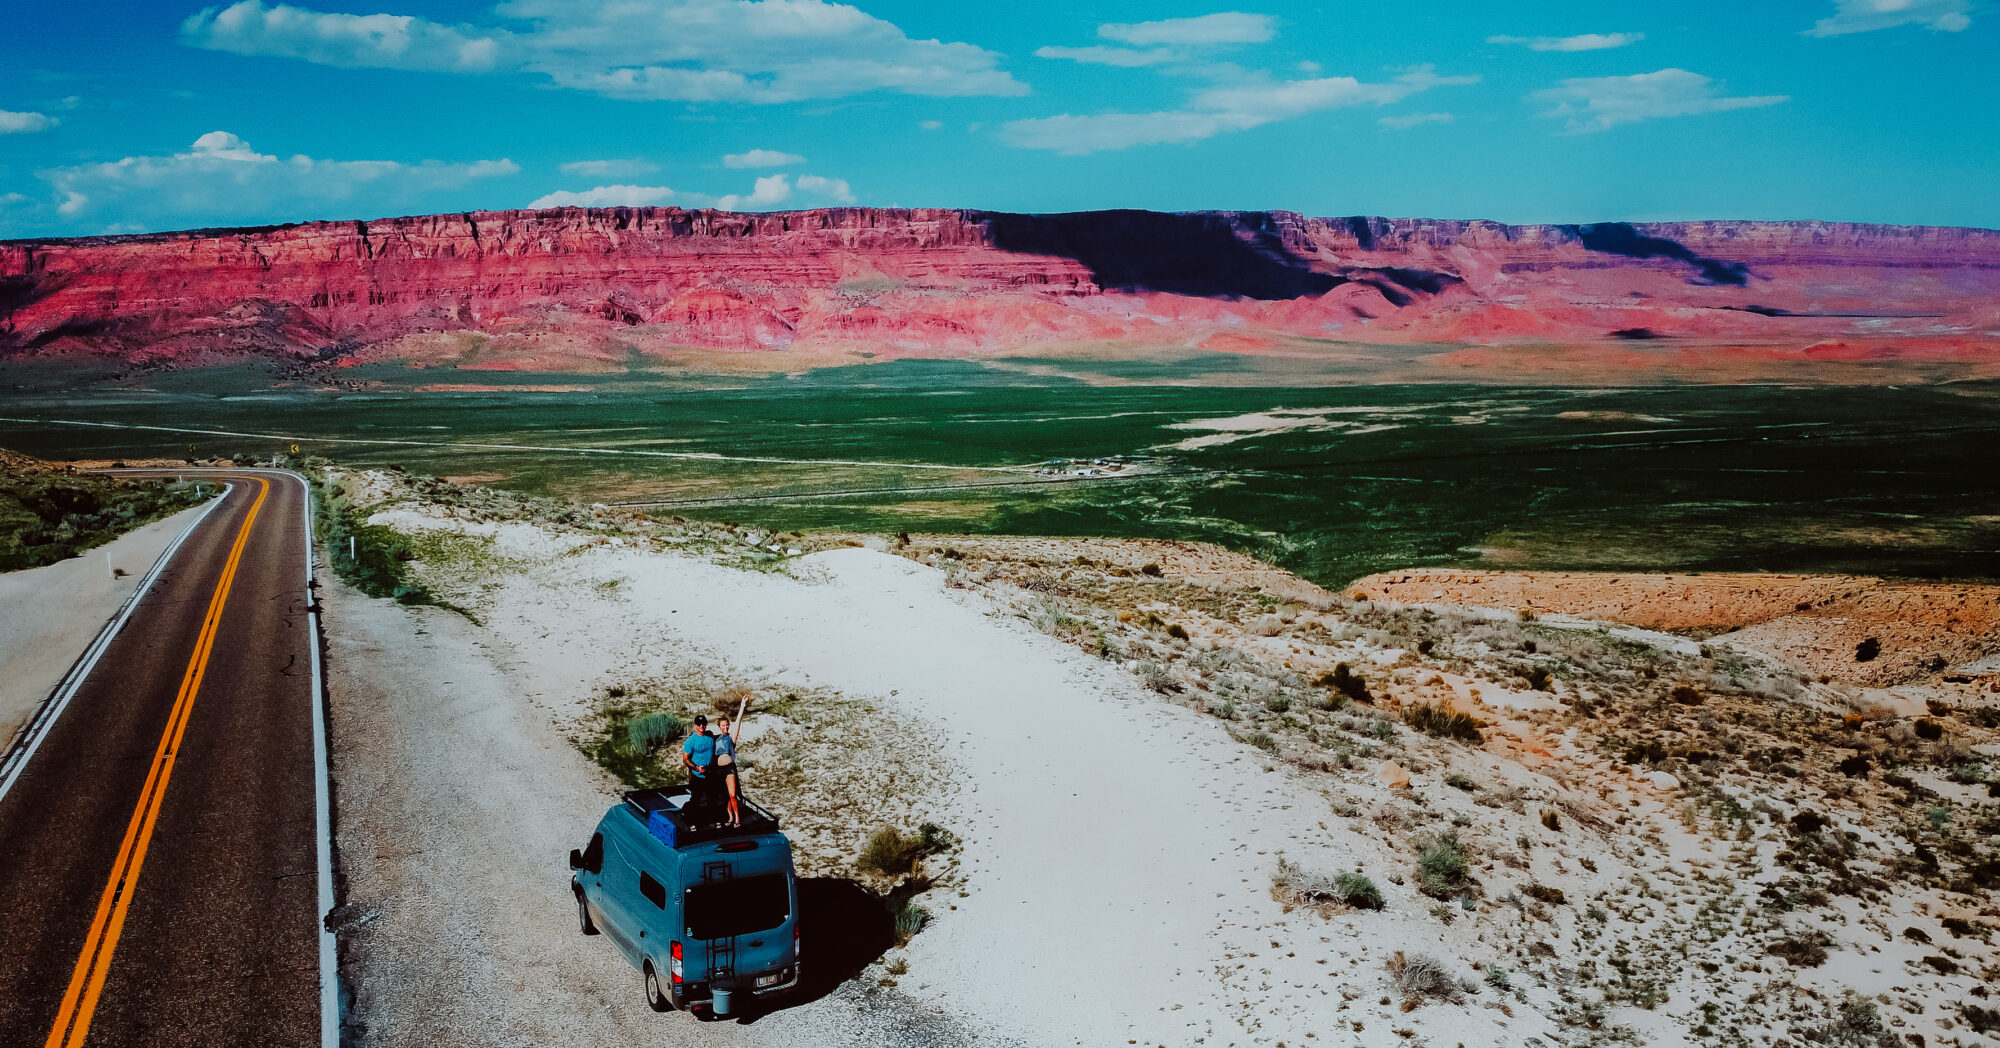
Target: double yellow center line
[94,964]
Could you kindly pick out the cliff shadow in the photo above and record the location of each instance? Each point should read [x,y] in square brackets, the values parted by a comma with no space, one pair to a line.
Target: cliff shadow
[1619,238]
[1207,256]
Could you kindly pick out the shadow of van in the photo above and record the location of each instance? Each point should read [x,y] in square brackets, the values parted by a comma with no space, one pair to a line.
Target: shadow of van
[843,928]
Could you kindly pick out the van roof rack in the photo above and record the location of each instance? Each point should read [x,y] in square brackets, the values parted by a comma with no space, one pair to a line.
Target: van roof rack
[671,802]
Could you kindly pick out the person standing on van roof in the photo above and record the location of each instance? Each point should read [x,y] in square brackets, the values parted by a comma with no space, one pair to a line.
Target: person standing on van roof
[698,755]
[725,768]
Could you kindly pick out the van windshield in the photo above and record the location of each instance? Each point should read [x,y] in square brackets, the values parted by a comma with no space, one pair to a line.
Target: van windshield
[721,909]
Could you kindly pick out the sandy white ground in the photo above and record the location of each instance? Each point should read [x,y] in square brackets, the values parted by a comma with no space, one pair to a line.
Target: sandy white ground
[1118,850]
[48,615]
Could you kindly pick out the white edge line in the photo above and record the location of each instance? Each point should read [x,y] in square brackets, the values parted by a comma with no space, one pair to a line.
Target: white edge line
[52,707]
[329,957]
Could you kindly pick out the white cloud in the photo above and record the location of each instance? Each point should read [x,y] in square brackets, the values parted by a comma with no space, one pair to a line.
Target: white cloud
[932,125]
[1862,16]
[1073,135]
[221,178]
[1124,57]
[1581,42]
[605,196]
[1253,102]
[1404,123]
[761,158]
[12,123]
[381,41]
[1591,104]
[1228,27]
[10,199]
[835,189]
[1167,40]
[608,168]
[758,51]
[769,191]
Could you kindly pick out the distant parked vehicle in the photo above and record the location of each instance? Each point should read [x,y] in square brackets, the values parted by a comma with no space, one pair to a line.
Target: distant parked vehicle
[707,913]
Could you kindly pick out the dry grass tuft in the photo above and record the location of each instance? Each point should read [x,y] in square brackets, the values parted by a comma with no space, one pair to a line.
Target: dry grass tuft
[1420,977]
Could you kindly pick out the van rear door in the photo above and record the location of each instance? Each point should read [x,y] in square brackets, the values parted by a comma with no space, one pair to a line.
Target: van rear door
[744,921]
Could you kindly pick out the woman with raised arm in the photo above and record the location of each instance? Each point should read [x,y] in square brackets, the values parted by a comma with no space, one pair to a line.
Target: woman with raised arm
[725,765]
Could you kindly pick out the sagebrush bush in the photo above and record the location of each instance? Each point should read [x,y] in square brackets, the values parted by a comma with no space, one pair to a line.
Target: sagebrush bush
[1853,1023]
[890,852]
[1347,683]
[1157,676]
[652,731]
[935,839]
[1802,949]
[1358,891]
[1441,864]
[1543,893]
[1443,723]
[1296,886]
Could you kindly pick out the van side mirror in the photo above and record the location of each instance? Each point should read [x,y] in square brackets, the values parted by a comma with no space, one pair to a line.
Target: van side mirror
[575,859]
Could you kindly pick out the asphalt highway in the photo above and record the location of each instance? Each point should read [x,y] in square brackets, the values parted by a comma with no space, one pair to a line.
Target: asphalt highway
[158,871]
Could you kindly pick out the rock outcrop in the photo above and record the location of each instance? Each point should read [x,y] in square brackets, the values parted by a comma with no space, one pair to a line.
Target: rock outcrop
[894,282]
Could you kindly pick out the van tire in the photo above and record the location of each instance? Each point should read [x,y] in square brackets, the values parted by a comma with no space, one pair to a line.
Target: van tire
[583,915]
[656,998]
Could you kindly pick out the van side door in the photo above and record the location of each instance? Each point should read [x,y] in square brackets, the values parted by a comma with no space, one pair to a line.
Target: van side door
[619,897]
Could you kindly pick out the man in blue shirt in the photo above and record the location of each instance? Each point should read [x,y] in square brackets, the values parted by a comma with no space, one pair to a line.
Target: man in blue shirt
[698,756]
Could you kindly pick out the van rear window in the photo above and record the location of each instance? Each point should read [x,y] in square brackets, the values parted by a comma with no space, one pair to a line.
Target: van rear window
[721,909]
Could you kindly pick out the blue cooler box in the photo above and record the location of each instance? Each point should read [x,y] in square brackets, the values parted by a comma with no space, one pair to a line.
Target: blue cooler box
[662,827]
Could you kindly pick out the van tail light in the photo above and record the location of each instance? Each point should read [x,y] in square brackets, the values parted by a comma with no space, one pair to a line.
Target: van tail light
[795,942]
[674,964]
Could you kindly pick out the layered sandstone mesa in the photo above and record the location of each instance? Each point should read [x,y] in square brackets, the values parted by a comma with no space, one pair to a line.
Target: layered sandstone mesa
[629,282]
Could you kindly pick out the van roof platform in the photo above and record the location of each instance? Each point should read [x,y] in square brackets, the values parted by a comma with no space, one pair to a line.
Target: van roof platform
[671,803]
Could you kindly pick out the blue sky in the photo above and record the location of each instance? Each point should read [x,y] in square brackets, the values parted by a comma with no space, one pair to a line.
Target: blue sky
[122,117]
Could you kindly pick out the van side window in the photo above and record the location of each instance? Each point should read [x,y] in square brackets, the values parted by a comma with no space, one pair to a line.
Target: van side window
[653,890]
[593,856]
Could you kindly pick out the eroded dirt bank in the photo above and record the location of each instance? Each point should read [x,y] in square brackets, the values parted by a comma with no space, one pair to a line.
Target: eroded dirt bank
[1921,631]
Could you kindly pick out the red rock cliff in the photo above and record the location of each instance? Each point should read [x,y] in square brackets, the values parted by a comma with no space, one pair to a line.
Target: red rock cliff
[902,282]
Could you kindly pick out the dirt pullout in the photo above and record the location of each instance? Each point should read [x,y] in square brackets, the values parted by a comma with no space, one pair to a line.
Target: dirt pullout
[457,801]
[1819,623]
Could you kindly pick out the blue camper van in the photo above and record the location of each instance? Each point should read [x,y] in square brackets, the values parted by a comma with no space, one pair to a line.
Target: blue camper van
[707,913]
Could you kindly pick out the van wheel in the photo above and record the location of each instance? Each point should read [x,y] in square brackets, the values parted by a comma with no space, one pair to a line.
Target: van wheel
[583,916]
[656,998]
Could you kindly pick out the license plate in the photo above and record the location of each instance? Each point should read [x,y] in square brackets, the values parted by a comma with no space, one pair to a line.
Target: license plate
[769,980]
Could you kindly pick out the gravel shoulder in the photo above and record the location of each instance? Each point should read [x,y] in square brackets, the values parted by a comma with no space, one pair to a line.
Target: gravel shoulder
[48,615]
